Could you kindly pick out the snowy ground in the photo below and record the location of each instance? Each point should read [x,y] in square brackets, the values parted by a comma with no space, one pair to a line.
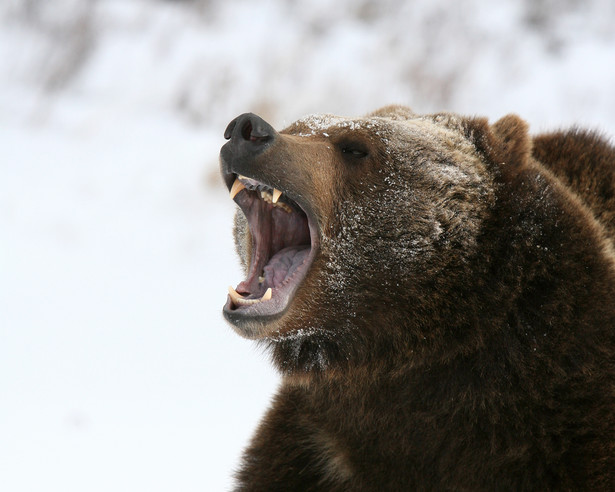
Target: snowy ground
[117,370]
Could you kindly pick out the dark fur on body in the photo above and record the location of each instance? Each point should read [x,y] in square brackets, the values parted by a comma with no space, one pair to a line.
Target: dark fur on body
[457,330]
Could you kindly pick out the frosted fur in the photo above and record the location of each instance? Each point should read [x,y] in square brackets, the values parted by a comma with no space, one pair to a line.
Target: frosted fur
[318,124]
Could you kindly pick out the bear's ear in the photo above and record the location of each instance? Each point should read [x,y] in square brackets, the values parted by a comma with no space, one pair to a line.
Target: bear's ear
[393,112]
[505,144]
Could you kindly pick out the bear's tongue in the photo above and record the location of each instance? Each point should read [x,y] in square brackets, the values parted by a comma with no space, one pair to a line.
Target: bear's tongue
[276,272]
[280,245]
[284,264]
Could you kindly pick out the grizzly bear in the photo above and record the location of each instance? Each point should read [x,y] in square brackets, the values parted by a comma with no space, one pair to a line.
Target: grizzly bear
[438,294]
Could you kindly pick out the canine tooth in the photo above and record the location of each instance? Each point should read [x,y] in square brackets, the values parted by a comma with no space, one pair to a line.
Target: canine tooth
[261,280]
[266,196]
[236,188]
[239,300]
[235,296]
[267,295]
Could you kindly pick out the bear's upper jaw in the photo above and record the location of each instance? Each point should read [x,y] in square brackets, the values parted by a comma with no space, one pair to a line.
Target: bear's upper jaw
[283,247]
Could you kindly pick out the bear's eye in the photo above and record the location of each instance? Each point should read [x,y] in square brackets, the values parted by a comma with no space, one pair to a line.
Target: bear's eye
[353,151]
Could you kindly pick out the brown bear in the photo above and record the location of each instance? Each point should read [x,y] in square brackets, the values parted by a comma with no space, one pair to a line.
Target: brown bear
[438,294]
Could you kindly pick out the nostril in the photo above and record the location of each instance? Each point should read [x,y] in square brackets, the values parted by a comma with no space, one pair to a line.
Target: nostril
[253,132]
[251,128]
[246,130]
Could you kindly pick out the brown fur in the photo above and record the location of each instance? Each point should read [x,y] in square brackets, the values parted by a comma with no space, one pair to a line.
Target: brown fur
[457,329]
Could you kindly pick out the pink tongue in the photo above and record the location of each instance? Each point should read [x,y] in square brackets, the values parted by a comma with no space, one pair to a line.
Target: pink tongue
[284,263]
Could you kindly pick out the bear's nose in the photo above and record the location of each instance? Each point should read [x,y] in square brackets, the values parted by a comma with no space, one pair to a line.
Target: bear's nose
[249,127]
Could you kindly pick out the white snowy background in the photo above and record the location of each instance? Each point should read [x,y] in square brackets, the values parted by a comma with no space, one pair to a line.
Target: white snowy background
[117,371]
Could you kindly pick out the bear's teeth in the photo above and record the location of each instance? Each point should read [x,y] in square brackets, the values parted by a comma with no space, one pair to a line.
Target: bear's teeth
[239,185]
[239,300]
[269,198]
[236,188]
[268,294]
[276,195]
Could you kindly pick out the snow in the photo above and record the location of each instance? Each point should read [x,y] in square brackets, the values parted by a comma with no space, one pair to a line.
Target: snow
[118,371]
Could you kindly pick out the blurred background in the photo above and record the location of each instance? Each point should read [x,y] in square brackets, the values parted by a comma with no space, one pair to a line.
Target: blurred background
[117,371]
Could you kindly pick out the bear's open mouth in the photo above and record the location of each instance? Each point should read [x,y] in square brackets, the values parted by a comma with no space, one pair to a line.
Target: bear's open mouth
[283,247]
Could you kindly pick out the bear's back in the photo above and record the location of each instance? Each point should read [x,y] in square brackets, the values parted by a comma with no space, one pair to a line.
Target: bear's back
[585,162]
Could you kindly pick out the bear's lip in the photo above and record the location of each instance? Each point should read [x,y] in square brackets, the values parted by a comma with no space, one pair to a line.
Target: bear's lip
[284,244]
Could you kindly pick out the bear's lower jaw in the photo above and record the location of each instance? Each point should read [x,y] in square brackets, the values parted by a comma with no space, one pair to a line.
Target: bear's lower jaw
[254,315]
[284,245]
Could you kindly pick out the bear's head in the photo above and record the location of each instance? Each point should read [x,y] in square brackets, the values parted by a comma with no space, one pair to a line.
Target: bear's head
[359,234]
